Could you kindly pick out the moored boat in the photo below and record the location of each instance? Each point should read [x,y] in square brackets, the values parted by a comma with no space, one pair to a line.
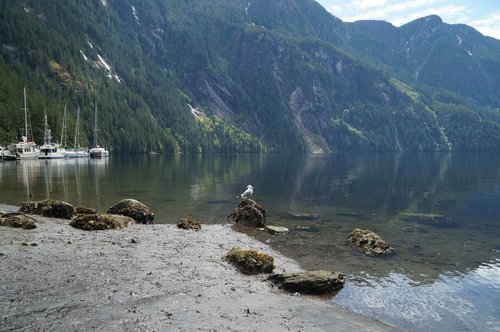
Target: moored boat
[97,151]
[24,149]
[49,150]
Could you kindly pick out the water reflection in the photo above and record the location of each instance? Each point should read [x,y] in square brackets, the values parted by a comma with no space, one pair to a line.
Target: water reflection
[454,302]
[448,272]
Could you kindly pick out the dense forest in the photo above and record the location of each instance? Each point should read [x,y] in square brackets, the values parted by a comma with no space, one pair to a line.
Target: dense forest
[243,77]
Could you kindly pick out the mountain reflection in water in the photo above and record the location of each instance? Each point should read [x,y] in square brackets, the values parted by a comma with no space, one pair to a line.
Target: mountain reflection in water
[440,212]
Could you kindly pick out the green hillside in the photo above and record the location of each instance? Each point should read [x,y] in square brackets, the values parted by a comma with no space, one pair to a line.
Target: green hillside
[238,76]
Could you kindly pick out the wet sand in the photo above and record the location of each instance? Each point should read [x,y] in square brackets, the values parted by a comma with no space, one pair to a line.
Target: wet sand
[149,278]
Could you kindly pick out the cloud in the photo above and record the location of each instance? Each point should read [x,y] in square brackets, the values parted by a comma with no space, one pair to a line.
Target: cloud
[488,25]
[367,4]
[335,10]
[386,12]
[449,14]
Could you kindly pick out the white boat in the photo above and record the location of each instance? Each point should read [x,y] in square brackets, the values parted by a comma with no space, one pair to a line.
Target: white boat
[8,154]
[97,151]
[49,150]
[24,149]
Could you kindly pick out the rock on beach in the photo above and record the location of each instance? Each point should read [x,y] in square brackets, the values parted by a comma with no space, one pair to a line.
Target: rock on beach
[134,209]
[48,208]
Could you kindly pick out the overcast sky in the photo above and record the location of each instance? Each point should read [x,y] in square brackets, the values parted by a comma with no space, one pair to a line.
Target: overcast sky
[483,15]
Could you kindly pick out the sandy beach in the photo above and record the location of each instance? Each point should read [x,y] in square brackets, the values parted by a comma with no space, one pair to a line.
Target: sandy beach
[149,278]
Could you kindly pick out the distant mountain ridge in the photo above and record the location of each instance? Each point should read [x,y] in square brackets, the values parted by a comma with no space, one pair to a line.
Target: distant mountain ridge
[248,76]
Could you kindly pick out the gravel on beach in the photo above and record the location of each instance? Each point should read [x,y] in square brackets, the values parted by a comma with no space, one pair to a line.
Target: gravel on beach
[149,278]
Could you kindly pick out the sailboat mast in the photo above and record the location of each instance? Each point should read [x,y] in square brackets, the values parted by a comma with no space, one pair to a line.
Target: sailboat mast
[76,129]
[95,125]
[62,143]
[25,116]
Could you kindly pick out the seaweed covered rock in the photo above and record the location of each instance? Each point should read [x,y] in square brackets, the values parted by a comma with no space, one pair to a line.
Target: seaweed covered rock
[189,223]
[248,213]
[80,209]
[17,220]
[368,242]
[49,208]
[250,261]
[133,209]
[309,282]
[95,222]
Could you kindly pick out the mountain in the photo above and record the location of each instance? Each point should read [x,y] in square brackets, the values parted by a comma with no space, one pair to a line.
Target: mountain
[247,76]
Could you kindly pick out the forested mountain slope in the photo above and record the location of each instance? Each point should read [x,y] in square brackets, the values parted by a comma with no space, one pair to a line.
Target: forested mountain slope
[245,76]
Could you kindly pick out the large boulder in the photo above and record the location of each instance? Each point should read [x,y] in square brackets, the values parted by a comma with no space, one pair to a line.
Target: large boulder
[48,208]
[17,220]
[133,209]
[248,213]
[309,282]
[96,222]
[189,223]
[250,261]
[368,242]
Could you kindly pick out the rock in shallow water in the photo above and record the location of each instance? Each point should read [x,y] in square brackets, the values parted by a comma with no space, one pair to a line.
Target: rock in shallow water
[309,282]
[248,213]
[276,229]
[368,242]
[250,261]
[133,209]
[431,219]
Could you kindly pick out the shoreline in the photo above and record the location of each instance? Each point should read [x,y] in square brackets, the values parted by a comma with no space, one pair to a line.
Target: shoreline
[150,277]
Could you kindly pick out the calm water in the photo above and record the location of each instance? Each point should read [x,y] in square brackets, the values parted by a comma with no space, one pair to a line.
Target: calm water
[444,278]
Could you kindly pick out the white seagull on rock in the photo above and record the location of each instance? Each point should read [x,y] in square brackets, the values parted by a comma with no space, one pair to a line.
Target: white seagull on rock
[247,193]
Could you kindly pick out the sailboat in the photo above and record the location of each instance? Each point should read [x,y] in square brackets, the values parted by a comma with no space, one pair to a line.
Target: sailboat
[97,151]
[77,152]
[24,149]
[49,150]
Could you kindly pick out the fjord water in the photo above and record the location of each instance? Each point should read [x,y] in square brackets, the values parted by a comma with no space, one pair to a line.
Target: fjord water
[442,276]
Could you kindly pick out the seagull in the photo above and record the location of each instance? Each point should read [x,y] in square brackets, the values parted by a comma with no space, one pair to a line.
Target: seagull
[247,192]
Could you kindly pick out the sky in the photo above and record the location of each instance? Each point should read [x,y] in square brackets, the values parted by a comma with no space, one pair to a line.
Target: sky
[482,15]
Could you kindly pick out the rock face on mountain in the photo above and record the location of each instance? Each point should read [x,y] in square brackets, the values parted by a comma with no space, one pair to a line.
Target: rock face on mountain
[281,75]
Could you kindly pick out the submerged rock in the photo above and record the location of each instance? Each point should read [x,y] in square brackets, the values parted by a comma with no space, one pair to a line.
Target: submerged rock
[49,208]
[189,223]
[17,220]
[248,213]
[250,261]
[307,228]
[276,229]
[437,220]
[95,222]
[133,209]
[298,215]
[309,282]
[368,242]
